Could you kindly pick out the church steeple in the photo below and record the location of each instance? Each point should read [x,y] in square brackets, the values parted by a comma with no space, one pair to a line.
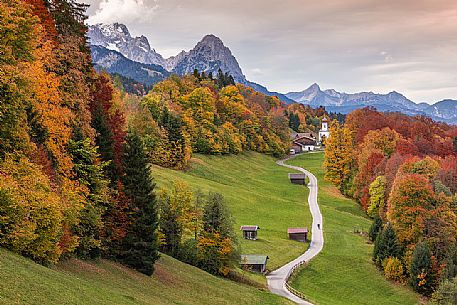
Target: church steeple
[324,133]
[324,124]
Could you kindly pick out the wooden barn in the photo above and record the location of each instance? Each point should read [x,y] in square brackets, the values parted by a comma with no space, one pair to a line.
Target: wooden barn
[299,234]
[250,232]
[256,263]
[297,178]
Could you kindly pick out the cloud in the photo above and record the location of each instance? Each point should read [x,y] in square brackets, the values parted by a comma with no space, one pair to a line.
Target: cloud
[350,45]
[123,11]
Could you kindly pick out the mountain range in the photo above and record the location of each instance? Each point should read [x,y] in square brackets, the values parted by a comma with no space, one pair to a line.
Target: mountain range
[335,101]
[116,51]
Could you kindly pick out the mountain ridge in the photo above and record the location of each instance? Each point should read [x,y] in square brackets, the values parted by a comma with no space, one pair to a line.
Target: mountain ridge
[335,101]
[210,54]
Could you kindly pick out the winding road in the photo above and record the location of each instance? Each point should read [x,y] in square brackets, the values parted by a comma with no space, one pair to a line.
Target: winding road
[277,279]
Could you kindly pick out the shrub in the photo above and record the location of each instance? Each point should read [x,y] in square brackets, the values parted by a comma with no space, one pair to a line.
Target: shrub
[446,294]
[393,269]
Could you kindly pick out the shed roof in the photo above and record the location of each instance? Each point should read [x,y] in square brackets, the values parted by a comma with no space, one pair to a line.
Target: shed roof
[249,259]
[297,176]
[297,230]
[249,228]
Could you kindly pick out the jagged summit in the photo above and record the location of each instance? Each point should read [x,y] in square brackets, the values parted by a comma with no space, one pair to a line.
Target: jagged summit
[117,37]
[209,55]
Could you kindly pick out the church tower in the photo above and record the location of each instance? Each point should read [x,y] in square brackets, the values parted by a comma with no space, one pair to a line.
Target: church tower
[324,133]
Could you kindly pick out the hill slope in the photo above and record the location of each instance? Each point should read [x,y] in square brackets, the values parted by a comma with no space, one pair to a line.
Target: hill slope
[81,282]
[258,192]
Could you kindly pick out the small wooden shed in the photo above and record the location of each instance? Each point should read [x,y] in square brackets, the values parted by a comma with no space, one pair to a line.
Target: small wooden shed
[299,234]
[297,178]
[256,263]
[250,232]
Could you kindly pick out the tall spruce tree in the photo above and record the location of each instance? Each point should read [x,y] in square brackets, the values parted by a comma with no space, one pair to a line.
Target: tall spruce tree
[216,216]
[375,228]
[386,245]
[421,275]
[140,246]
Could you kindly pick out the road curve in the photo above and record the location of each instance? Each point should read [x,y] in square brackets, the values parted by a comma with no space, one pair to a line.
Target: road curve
[277,278]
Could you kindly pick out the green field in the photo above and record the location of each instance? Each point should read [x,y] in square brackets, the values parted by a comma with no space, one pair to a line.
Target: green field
[343,272]
[80,282]
[258,192]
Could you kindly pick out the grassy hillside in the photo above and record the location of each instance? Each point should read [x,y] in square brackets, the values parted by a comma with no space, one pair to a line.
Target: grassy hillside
[85,283]
[343,272]
[258,193]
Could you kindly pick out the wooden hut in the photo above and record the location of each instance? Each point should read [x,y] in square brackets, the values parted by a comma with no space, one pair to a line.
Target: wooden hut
[299,234]
[256,263]
[250,232]
[297,178]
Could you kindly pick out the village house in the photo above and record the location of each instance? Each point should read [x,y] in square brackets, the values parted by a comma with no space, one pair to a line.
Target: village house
[250,232]
[302,142]
[256,263]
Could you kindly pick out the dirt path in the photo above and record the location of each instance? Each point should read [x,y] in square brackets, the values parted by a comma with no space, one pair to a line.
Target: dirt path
[278,278]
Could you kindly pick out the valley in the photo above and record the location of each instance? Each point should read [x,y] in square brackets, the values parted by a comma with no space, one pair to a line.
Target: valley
[345,264]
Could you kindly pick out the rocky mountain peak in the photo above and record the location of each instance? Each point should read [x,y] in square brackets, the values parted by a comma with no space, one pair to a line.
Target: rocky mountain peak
[211,41]
[314,88]
[209,55]
[117,37]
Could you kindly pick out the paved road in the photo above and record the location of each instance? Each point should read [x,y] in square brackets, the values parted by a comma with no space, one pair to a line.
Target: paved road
[277,279]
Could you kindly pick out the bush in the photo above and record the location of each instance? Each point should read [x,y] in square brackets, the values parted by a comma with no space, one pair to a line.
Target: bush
[393,269]
[446,294]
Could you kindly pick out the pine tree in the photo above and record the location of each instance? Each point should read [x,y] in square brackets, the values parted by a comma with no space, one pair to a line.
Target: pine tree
[216,217]
[140,246]
[451,264]
[375,228]
[421,275]
[196,74]
[220,79]
[90,173]
[386,245]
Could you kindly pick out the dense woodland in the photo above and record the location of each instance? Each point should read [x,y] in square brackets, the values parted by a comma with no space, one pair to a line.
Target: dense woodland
[403,172]
[76,148]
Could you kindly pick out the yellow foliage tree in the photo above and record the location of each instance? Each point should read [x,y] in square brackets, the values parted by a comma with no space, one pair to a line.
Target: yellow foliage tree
[31,212]
[338,155]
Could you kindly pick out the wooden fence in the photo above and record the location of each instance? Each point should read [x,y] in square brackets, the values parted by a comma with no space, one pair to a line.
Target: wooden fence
[292,289]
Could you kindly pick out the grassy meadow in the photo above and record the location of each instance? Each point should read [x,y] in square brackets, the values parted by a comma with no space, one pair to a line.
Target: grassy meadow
[104,282]
[258,192]
[343,272]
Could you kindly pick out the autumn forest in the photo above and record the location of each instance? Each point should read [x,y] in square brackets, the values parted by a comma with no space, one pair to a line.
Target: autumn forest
[78,150]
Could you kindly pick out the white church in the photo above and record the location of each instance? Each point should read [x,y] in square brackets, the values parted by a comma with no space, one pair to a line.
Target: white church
[324,133]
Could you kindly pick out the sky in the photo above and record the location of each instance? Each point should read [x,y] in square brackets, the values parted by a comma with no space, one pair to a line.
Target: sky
[409,46]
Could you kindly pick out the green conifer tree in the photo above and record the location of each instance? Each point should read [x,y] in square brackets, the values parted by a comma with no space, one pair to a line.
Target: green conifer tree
[375,228]
[421,275]
[386,245]
[140,246]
